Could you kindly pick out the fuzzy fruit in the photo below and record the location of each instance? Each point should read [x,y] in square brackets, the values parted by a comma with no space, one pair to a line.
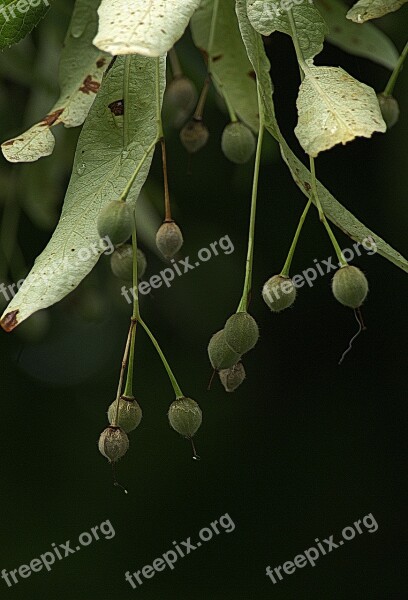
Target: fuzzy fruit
[241,332]
[130,413]
[169,239]
[113,443]
[233,377]
[185,416]
[238,143]
[194,135]
[279,293]
[115,222]
[389,109]
[181,94]
[122,262]
[350,286]
[221,355]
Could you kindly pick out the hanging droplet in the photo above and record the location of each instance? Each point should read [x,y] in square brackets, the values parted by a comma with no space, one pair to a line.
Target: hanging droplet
[81,168]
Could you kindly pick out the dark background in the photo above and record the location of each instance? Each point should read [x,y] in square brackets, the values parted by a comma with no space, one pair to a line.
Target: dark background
[303,449]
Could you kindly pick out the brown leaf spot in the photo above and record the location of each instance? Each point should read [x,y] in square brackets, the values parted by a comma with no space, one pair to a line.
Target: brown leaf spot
[51,118]
[307,186]
[252,75]
[100,62]
[9,143]
[89,85]
[117,107]
[218,57]
[10,321]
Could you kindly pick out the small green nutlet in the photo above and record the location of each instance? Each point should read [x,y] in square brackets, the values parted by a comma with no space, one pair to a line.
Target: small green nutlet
[221,355]
[241,332]
[185,416]
[130,413]
[233,377]
[122,263]
[238,143]
[169,239]
[194,135]
[350,286]
[279,293]
[389,109]
[113,443]
[181,94]
[115,222]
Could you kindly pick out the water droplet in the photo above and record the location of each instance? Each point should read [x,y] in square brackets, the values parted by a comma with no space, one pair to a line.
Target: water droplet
[81,168]
[78,28]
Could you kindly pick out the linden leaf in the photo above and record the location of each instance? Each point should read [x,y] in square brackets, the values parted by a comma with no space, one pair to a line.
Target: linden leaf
[364,10]
[18,18]
[361,40]
[334,211]
[334,108]
[104,162]
[232,72]
[147,27]
[80,73]
[267,16]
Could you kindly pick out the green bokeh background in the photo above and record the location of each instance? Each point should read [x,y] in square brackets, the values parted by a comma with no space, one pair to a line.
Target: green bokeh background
[301,450]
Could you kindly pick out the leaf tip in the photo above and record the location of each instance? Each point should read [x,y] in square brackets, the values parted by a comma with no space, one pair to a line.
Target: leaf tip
[9,321]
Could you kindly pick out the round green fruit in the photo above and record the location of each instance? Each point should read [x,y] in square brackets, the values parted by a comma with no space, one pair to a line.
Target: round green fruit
[221,355]
[130,413]
[241,332]
[122,263]
[185,416]
[181,94]
[115,222]
[389,109]
[238,143]
[350,286]
[279,293]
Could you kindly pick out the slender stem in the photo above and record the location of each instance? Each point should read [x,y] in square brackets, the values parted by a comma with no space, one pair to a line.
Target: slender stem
[211,36]
[122,371]
[126,103]
[303,67]
[176,387]
[131,181]
[288,262]
[158,101]
[243,305]
[322,216]
[135,315]
[175,63]
[167,206]
[198,114]
[299,54]
[394,75]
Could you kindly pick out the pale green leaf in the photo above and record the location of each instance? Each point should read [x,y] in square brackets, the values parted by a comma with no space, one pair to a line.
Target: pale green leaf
[334,108]
[232,72]
[102,167]
[80,73]
[337,213]
[361,40]
[147,27]
[364,10]
[18,18]
[267,16]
